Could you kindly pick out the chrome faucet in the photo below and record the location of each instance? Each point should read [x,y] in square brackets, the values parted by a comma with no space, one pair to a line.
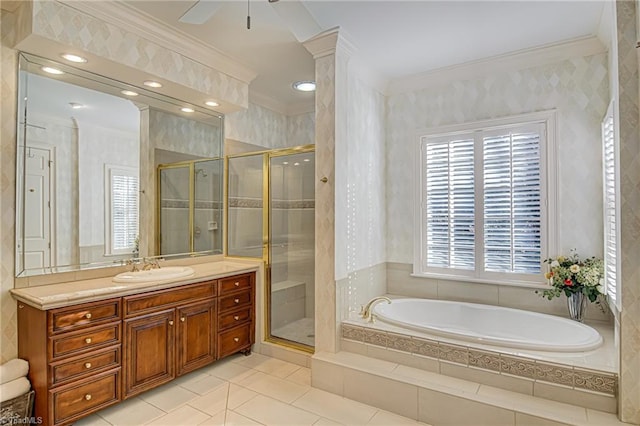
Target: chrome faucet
[366,310]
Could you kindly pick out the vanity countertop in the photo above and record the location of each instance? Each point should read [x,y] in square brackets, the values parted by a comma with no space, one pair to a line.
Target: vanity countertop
[81,291]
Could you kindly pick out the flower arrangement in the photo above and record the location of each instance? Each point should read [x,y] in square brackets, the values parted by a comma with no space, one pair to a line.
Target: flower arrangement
[570,275]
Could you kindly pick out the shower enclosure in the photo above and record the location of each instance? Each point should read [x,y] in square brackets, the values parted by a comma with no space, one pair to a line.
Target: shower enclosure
[189,207]
[270,215]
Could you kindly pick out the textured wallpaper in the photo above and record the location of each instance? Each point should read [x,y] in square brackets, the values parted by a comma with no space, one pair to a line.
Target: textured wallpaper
[178,134]
[577,88]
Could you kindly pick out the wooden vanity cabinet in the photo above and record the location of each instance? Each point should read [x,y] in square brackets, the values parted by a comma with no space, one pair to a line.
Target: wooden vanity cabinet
[88,356]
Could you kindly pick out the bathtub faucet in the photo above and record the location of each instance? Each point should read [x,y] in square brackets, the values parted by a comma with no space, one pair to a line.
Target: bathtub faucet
[366,310]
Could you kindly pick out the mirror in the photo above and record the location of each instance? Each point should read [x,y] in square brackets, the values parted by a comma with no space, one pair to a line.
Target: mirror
[88,192]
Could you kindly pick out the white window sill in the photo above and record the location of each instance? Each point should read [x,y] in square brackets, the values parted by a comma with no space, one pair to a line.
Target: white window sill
[459,278]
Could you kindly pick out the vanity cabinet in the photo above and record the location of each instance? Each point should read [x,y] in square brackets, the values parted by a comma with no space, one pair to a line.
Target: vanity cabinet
[86,357]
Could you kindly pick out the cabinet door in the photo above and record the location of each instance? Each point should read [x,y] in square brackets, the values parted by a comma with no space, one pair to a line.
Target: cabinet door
[196,336]
[149,351]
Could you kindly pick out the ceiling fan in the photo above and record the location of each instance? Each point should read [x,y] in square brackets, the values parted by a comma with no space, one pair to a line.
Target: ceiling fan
[293,13]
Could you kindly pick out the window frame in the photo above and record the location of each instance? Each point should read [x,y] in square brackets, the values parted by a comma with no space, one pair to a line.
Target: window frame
[548,193]
[109,171]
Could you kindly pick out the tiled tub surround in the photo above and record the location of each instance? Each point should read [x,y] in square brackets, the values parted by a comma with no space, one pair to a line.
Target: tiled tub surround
[586,379]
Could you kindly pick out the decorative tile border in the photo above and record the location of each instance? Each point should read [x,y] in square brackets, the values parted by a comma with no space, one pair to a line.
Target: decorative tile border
[526,368]
[256,203]
[184,204]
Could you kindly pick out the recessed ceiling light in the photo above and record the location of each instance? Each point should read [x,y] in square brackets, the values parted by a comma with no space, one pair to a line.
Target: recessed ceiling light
[305,86]
[129,93]
[296,164]
[52,70]
[285,162]
[186,109]
[307,160]
[74,58]
[152,83]
[212,103]
[75,105]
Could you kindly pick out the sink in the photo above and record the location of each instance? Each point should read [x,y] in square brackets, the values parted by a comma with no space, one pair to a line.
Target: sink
[164,273]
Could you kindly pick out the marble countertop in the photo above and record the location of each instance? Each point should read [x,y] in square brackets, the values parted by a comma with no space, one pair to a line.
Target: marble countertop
[81,291]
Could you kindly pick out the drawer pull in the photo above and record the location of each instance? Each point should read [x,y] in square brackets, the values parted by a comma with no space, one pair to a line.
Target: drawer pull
[87,365]
[183,319]
[236,300]
[88,315]
[88,397]
[237,283]
[236,339]
[170,322]
[236,317]
[87,340]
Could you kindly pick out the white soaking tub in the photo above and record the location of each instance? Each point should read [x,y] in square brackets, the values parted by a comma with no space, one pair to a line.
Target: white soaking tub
[491,325]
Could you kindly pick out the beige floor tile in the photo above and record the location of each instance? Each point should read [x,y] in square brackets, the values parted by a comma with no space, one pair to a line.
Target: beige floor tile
[446,410]
[276,367]
[93,420]
[269,411]
[183,416]
[602,419]
[235,419]
[274,387]
[527,420]
[326,422]
[216,420]
[168,397]
[252,361]
[213,402]
[204,385]
[385,418]
[335,408]
[229,371]
[238,396]
[302,376]
[192,377]
[132,412]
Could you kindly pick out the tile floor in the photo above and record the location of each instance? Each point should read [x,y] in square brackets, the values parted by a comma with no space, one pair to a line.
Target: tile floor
[239,390]
[301,331]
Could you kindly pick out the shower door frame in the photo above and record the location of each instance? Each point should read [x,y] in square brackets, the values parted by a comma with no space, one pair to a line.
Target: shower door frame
[267,155]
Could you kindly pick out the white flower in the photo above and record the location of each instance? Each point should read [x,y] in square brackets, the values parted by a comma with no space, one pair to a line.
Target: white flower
[555,264]
[600,288]
[574,269]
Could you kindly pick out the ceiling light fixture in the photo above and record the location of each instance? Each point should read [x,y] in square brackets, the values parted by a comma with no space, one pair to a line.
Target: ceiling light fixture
[305,86]
[75,105]
[307,160]
[151,83]
[186,109]
[74,58]
[129,93]
[212,103]
[52,70]
[285,162]
[296,164]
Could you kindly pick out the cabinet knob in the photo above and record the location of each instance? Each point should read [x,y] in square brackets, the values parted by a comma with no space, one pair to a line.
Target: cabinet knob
[183,319]
[88,315]
[236,300]
[87,340]
[88,397]
[170,322]
[236,317]
[236,339]
[87,365]
[237,283]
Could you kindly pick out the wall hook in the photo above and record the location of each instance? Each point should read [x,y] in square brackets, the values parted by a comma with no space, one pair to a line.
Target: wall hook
[324,179]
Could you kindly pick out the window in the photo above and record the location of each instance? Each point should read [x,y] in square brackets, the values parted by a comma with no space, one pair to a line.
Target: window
[483,198]
[122,209]
[611,218]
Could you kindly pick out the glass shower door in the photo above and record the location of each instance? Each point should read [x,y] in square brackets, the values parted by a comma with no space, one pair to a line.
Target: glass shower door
[175,217]
[291,246]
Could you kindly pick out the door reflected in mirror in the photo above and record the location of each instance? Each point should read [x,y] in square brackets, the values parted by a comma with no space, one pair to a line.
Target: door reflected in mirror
[86,191]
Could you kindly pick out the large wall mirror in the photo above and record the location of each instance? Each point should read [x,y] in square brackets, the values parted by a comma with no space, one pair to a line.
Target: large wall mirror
[108,172]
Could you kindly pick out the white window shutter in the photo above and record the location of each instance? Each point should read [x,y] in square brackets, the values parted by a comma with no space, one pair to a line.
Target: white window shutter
[610,219]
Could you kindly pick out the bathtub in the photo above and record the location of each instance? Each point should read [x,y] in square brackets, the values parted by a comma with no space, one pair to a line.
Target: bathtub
[490,325]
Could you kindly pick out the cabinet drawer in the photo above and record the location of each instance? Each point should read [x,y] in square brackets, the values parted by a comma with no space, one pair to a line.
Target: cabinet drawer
[148,302]
[85,315]
[238,282]
[84,366]
[235,300]
[234,340]
[234,318]
[74,401]
[85,340]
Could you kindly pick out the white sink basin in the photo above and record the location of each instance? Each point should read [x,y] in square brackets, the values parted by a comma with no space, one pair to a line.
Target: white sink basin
[164,273]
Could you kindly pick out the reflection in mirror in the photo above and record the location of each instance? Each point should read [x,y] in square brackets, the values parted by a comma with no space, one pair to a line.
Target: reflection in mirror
[83,184]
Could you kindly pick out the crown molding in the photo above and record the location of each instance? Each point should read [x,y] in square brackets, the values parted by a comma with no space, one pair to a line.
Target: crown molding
[295,108]
[131,19]
[521,59]
[323,44]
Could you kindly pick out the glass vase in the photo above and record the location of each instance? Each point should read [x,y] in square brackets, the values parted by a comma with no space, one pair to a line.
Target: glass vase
[577,304]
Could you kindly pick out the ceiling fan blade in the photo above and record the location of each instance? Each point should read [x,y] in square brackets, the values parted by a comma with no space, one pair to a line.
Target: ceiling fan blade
[300,22]
[200,12]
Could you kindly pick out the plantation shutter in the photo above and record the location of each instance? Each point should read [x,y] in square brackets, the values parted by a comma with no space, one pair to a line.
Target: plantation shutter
[449,196]
[124,210]
[512,213]
[610,223]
